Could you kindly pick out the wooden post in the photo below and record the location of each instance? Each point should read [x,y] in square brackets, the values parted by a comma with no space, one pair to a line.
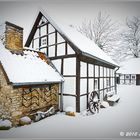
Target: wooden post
[39,38]
[99,80]
[103,84]
[87,82]
[130,79]
[66,48]
[77,84]
[62,66]
[47,31]
[94,77]
[55,43]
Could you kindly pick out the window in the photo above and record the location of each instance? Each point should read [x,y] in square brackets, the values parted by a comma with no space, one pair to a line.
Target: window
[133,77]
[43,41]
[127,76]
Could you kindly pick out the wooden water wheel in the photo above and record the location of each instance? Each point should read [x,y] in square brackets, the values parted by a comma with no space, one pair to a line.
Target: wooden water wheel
[93,103]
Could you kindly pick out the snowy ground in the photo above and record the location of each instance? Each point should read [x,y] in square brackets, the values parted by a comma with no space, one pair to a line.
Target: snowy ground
[109,123]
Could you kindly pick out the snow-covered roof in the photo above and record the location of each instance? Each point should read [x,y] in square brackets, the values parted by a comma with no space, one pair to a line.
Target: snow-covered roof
[27,68]
[131,66]
[87,46]
[82,43]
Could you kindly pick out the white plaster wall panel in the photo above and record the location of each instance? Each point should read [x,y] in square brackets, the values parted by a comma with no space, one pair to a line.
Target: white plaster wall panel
[83,86]
[70,66]
[70,85]
[61,49]
[83,103]
[83,69]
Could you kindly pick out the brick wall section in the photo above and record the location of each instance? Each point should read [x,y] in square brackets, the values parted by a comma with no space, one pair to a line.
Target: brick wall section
[11,101]
[13,37]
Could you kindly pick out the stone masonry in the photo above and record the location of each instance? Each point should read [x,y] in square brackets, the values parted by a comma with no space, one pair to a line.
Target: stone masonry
[12,105]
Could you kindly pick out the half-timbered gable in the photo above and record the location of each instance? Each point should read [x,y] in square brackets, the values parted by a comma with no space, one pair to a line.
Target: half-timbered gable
[84,66]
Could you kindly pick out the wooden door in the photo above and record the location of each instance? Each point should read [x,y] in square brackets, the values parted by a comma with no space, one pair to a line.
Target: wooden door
[138,79]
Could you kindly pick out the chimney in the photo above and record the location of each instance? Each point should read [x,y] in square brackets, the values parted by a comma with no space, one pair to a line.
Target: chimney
[13,37]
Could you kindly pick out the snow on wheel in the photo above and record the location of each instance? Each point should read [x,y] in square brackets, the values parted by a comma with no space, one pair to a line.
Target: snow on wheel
[93,103]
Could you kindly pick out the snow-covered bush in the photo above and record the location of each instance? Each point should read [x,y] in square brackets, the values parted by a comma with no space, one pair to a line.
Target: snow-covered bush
[5,124]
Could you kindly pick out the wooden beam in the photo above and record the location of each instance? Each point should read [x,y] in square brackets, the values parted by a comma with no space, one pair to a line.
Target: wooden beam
[65,94]
[103,84]
[66,48]
[32,33]
[87,82]
[44,35]
[77,84]
[62,66]
[39,38]
[52,45]
[47,49]
[62,56]
[99,80]
[94,76]
[55,43]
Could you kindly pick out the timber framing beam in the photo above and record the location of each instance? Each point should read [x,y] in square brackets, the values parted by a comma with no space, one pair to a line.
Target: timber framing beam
[77,84]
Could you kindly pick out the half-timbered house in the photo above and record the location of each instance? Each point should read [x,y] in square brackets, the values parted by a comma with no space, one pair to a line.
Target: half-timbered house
[28,80]
[84,66]
[129,72]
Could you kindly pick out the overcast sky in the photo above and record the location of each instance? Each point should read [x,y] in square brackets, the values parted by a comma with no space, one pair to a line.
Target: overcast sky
[23,13]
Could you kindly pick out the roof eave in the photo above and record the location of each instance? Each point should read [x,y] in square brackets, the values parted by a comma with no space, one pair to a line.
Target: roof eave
[35,83]
[101,60]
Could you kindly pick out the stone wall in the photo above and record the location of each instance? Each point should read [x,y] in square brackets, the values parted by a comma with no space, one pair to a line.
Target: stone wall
[12,103]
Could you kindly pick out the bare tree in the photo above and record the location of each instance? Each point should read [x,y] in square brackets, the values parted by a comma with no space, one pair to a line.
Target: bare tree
[102,31]
[131,37]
